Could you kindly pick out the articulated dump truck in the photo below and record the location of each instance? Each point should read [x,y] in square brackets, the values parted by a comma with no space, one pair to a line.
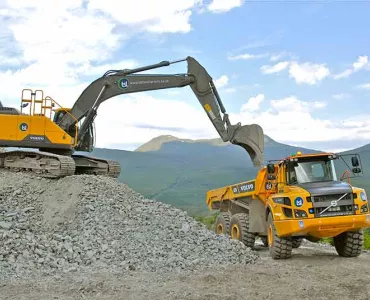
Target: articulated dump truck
[295,198]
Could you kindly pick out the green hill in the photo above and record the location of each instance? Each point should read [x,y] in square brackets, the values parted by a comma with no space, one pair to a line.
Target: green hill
[180,172]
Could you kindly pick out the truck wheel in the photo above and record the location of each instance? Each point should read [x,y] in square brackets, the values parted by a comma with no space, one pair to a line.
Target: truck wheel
[279,247]
[350,243]
[297,242]
[223,223]
[239,227]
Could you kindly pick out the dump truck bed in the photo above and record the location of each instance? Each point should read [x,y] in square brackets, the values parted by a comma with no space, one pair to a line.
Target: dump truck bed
[255,188]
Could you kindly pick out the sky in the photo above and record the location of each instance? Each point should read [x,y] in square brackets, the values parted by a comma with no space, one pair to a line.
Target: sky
[300,69]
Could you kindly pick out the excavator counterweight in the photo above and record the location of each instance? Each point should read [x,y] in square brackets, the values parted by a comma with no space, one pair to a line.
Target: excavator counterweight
[73,129]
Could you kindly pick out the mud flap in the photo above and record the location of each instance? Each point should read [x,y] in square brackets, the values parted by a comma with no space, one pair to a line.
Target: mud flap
[257,217]
[251,138]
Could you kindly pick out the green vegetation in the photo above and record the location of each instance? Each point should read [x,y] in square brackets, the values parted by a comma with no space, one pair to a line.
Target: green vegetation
[209,221]
[367,239]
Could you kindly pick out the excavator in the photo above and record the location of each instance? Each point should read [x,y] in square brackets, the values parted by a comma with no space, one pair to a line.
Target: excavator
[56,134]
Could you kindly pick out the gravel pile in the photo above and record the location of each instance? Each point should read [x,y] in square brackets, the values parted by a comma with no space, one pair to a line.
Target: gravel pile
[84,223]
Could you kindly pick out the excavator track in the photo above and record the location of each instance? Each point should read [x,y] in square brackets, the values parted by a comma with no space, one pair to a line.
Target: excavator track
[95,165]
[43,164]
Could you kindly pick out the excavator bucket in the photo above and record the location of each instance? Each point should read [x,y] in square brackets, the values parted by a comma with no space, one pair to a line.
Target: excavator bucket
[251,138]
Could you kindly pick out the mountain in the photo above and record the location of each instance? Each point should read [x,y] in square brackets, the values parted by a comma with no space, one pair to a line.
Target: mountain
[180,172]
[345,163]
[157,142]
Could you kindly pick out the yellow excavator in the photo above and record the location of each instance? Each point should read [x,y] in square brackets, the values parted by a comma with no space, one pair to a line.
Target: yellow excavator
[56,132]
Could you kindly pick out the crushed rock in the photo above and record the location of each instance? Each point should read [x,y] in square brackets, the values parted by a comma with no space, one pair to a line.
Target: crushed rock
[84,222]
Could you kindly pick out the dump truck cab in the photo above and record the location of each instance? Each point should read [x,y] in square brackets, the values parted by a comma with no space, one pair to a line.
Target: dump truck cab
[297,197]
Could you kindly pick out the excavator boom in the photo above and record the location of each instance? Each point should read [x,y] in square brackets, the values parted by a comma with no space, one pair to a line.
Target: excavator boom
[118,82]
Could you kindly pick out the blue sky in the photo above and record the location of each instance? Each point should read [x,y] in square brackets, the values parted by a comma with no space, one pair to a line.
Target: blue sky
[300,69]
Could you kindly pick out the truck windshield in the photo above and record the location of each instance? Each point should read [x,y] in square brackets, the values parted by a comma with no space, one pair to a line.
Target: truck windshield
[311,171]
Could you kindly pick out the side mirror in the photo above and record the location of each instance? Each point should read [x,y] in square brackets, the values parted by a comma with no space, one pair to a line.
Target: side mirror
[356,170]
[355,162]
[270,168]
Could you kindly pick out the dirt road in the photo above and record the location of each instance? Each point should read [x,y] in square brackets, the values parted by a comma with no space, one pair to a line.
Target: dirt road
[314,272]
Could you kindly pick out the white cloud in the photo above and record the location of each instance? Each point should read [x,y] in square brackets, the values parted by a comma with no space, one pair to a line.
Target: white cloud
[218,6]
[361,63]
[135,118]
[221,82]
[67,37]
[308,73]
[291,120]
[99,70]
[276,57]
[153,16]
[253,103]
[266,69]
[341,96]
[293,104]
[365,86]
[246,56]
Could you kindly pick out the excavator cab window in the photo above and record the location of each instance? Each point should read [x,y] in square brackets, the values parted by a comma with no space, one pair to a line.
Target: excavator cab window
[58,116]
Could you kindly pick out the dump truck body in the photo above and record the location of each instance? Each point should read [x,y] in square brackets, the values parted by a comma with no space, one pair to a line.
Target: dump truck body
[303,199]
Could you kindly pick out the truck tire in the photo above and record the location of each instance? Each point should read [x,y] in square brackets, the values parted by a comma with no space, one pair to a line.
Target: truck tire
[350,243]
[297,242]
[223,223]
[239,229]
[279,247]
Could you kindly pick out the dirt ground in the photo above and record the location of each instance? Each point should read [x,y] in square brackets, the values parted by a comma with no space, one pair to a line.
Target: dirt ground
[314,272]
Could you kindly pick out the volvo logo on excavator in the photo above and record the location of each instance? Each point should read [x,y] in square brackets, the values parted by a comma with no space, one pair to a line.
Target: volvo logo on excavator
[123,83]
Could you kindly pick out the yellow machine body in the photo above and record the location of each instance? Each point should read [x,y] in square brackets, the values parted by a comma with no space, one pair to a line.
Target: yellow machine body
[32,131]
[33,127]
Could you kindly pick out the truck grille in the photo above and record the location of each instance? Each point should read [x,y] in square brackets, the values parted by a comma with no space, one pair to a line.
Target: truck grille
[344,207]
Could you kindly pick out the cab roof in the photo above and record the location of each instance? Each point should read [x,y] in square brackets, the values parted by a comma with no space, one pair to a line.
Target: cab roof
[299,154]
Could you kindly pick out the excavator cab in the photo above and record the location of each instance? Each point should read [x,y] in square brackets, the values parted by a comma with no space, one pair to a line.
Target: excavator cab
[59,114]
[87,141]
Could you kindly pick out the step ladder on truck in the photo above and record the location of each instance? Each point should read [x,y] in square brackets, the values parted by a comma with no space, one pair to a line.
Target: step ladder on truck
[295,198]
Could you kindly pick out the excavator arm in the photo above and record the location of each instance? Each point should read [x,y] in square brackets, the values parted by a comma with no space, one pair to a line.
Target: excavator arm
[118,82]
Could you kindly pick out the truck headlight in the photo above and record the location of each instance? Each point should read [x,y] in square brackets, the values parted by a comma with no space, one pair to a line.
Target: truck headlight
[300,213]
[363,196]
[364,208]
